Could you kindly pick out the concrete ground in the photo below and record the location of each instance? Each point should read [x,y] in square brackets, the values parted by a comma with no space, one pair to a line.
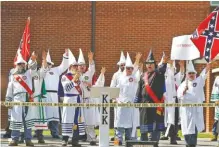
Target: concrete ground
[202,142]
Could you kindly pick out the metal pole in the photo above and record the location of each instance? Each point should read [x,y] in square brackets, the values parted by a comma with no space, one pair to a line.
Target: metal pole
[93,23]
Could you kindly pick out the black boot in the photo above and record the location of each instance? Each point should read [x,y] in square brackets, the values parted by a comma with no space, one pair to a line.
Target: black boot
[173,140]
[75,143]
[92,143]
[64,140]
[22,138]
[6,135]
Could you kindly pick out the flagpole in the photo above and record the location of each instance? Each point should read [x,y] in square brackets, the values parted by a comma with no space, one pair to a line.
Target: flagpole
[187,62]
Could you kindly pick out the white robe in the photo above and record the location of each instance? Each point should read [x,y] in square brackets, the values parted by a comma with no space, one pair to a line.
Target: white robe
[51,83]
[40,111]
[114,83]
[89,113]
[68,113]
[215,96]
[99,83]
[16,93]
[171,82]
[127,117]
[192,117]
[9,80]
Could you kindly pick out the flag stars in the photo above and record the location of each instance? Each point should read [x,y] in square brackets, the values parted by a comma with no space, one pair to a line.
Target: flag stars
[207,49]
[206,57]
[217,35]
[209,41]
[210,34]
[213,18]
[212,26]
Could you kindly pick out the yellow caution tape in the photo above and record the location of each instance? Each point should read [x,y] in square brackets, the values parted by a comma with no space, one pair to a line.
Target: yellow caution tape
[145,105]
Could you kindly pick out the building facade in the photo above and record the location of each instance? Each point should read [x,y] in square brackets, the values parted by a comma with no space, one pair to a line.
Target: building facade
[106,28]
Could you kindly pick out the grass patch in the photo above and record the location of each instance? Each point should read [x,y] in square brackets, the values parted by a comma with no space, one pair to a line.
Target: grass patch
[111,133]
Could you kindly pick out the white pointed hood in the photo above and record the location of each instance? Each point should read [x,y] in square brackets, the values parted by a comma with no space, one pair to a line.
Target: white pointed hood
[19,58]
[48,58]
[190,67]
[128,62]
[161,61]
[71,58]
[81,60]
[122,59]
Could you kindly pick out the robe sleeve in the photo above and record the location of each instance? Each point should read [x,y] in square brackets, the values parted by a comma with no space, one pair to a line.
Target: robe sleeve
[32,68]
[100,81]
[113,81]
[135,69]
[188,97]
[202,77]
[179,77]
[138,97]
[63,66]
[91,68]
[9,93]
[138,75]
[10,74]
[162,68]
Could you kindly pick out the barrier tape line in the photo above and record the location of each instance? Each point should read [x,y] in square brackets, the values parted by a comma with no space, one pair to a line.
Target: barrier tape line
[140,105]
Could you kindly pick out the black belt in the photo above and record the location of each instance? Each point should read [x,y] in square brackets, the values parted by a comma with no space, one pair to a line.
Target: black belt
[53,91]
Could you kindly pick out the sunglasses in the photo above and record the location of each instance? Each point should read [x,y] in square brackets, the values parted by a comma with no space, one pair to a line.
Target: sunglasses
[191,73]
[129,68]
[122,65]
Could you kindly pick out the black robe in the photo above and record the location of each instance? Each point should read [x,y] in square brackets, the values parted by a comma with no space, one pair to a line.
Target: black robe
[149,116]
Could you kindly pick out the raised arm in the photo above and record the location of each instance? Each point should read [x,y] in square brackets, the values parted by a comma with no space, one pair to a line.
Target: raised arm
[137,63]
[32,65]
[181,74]
[101,79]
[114,80]
[64,65]
[203,75]
[44,67]
[91,67]
[162,68]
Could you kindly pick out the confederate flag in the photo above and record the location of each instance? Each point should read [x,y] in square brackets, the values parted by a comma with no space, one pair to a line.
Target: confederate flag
[206,36]
[24,45]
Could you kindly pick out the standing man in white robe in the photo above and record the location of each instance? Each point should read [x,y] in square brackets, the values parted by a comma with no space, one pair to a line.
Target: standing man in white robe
[192,91]
[114,81]
[39,92]
[172,82]
[72,94]
[52,82]
[126,120]
[20,90]
[215,98]
[86,83]
[7,130]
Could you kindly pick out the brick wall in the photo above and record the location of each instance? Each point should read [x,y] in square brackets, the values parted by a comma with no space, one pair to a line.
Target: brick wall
[128,26]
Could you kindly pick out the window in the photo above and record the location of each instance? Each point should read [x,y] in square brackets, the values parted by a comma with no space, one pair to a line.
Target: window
[214,3]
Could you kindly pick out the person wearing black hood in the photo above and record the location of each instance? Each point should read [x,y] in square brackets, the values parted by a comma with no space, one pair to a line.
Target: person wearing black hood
[151,90]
